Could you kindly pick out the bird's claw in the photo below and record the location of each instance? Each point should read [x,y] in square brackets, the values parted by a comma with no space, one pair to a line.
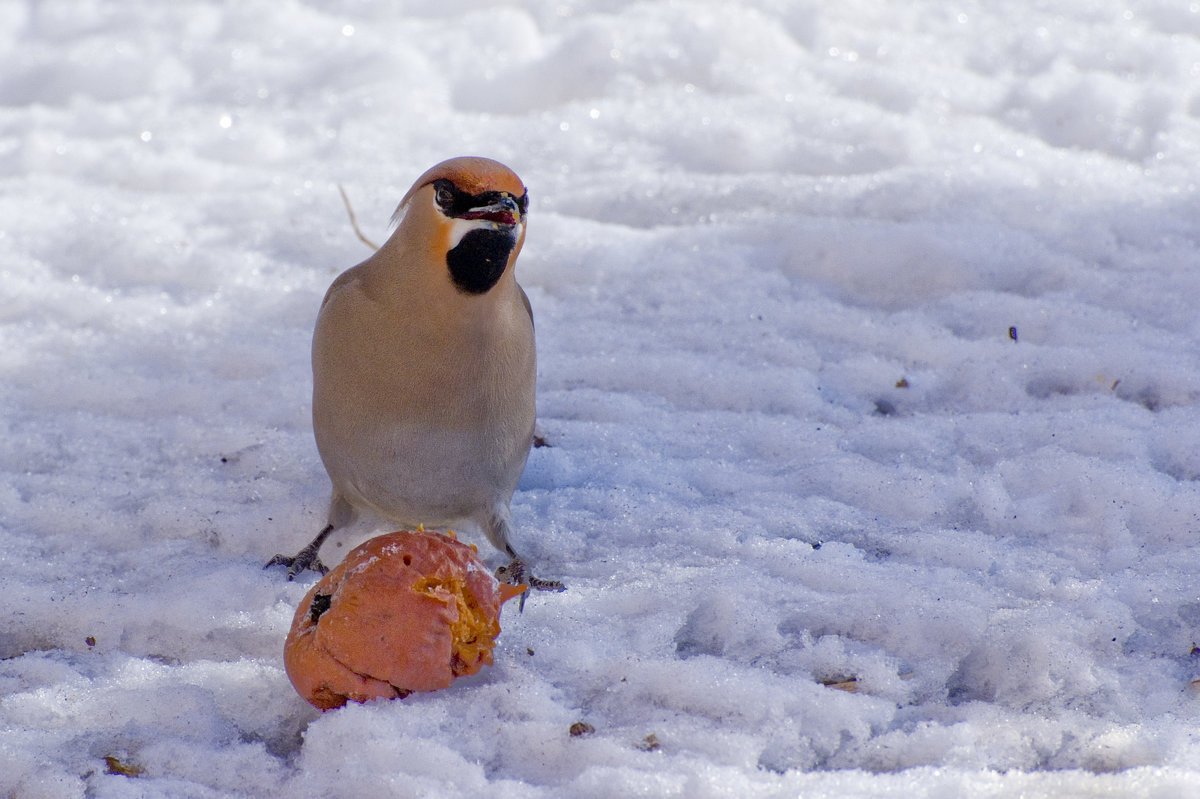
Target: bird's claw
[304,560]
[517,573]
[538,584]
[307,559]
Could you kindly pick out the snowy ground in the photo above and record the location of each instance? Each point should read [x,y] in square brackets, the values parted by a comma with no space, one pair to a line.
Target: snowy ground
[775,254]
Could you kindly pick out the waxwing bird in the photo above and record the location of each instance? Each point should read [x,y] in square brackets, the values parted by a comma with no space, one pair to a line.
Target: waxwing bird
[424,367]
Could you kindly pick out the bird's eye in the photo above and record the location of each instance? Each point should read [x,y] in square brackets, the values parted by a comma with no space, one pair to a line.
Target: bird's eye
[444,197]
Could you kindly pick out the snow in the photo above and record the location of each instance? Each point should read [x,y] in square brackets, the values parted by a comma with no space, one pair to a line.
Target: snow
[868,349]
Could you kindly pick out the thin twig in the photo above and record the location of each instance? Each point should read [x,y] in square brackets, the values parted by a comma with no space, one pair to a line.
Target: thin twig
[354,221]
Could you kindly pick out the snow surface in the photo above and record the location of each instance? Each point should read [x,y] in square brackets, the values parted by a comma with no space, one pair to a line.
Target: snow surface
[775,252]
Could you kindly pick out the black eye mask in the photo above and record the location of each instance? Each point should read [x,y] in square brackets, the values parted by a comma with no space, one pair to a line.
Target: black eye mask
[495,206]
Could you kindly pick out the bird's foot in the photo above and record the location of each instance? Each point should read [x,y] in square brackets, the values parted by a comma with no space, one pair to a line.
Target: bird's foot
[517,573]
[306,559]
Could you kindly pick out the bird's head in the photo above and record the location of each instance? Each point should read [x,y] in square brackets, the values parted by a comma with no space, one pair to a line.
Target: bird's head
[470,213]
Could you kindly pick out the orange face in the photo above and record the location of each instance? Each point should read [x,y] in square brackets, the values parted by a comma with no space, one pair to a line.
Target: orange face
[404,612]
[464,219]
[473,175]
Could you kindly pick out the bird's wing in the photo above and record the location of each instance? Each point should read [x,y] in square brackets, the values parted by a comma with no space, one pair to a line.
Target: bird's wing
[528,307]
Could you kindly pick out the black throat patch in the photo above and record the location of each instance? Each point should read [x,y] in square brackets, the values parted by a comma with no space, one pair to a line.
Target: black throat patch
[480,259]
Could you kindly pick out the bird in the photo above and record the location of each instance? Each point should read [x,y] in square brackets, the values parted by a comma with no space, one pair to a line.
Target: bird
[424,367]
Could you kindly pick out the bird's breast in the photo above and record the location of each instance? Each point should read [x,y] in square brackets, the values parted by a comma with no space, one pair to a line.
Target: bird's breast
[414,410]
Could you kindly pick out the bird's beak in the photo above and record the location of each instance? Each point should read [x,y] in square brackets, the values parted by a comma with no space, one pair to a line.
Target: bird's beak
[503,211]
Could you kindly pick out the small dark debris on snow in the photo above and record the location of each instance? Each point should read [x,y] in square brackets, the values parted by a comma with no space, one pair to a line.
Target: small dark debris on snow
[847,684]
[114,765]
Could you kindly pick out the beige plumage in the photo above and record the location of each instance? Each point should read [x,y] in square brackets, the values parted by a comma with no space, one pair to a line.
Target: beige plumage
[424,366]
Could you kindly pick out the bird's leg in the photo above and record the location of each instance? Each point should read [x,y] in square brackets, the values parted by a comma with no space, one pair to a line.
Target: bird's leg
[499,532]
[517,573]
[306,558]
